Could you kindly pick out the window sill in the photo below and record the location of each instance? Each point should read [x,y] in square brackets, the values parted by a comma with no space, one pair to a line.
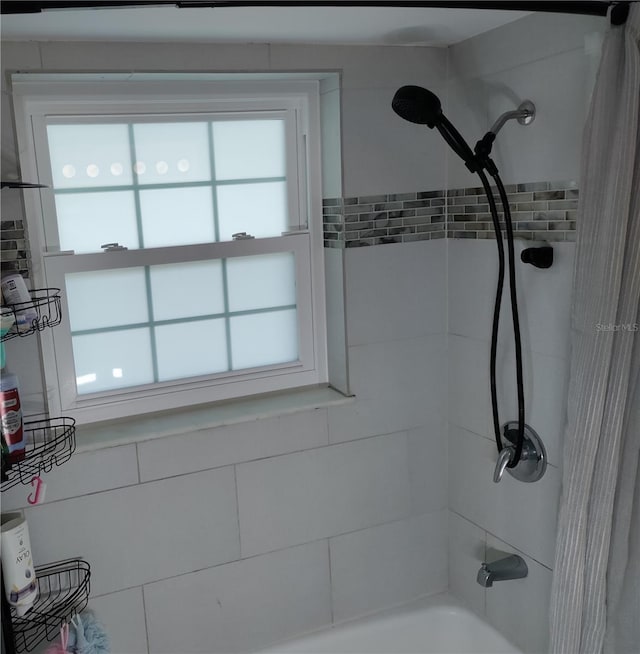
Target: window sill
[171,423]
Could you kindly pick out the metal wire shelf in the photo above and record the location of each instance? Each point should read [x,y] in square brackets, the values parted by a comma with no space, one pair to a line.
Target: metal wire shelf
[63,591]
[46,303]
[50,442]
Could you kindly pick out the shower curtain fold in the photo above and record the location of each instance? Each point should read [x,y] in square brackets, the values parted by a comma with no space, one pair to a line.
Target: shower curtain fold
[595,602]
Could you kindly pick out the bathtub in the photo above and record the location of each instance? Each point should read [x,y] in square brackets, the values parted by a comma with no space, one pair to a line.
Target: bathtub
[435,625]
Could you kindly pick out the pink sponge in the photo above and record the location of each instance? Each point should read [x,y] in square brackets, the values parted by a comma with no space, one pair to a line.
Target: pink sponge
[61,647]
[56,648]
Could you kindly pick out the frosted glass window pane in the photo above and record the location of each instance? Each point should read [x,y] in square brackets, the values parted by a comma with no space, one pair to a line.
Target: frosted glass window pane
[258,209]
[191,349]
[245,149]
[181,290]
[264,339]
[87,220]
[172,152]
[259,282]
[106,298]
[112,360]
[89,155]
[177,216]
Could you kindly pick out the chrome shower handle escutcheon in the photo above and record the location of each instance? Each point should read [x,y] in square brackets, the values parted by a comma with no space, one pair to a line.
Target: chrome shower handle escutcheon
[532,463]
[503,461]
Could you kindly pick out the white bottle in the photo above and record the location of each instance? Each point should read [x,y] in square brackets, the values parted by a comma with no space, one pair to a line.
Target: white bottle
[20,585]
[15,292]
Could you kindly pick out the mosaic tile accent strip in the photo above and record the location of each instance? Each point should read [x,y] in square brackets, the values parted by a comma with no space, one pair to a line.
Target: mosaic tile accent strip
[14,248]
[540,211]
[381,219]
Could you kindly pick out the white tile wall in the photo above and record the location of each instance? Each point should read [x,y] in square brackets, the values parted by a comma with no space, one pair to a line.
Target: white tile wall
[544,305]
[243,605]
[301,497]
[542,58]
[546,384]
[402,368]
[394,159]
[123,617]
[465,104]
[95,56]
[534,37]
[472,275]
[400,158]
[384,566]
[469,394]
[544,302]
[398,385]
[212,448]
[427,469]
[485,511]
[557,86]
[499,508]
[544,296]
[20,55]
[395,292]
[366,67]
[331,152]
[141,533]
[84,473]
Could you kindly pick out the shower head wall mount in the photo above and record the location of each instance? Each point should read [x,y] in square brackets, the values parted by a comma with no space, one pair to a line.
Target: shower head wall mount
[524,114]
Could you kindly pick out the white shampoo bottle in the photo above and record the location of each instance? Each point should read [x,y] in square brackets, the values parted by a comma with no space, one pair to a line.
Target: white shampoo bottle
[20,585]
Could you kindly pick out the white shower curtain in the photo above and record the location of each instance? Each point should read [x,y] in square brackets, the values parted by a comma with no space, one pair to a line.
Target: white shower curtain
[595,603]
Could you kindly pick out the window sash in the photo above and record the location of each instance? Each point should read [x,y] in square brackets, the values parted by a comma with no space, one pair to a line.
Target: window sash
[297,206]
[57,266]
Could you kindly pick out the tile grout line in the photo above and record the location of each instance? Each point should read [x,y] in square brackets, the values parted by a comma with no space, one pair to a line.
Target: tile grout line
[146,622]
[269,552]
[330,581]
[138,464]
[484,529]
[235,480]
[220,467]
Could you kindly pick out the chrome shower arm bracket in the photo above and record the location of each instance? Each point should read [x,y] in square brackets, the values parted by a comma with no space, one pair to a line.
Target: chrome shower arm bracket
[524,114]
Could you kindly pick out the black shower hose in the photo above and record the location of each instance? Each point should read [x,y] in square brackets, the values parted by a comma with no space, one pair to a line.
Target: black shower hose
[496,313]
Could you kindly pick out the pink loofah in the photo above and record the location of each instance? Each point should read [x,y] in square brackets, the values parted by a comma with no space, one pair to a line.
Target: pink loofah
[56,648]
[61,647]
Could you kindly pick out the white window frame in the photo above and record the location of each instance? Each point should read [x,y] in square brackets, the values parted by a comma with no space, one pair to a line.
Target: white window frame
[59,98]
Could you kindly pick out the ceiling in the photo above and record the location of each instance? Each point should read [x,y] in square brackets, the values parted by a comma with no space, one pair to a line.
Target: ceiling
[324,25]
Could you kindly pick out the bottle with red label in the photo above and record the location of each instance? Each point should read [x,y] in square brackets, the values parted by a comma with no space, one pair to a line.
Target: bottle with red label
[11,418]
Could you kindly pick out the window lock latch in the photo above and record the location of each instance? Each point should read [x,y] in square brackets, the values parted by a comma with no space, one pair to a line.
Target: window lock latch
[113,247]
[241,236]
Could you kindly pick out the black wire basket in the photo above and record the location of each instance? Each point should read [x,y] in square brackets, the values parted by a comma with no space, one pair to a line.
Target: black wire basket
[63,591]
[48,313]
[50,443]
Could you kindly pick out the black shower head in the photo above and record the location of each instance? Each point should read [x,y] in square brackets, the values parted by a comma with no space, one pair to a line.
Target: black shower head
[417,105]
